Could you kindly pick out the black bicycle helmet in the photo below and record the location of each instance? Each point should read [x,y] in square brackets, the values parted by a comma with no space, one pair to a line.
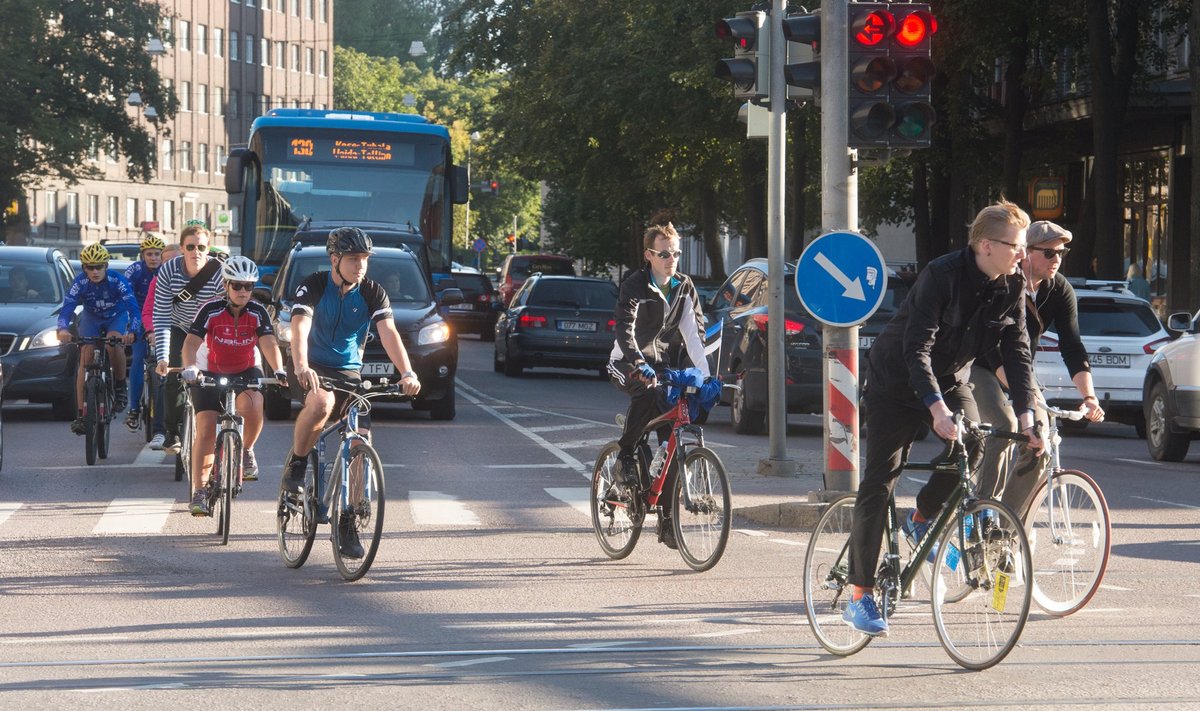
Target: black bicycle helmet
[348,240]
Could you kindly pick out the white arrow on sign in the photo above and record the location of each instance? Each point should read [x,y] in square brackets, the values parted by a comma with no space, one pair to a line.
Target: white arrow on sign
[853,289]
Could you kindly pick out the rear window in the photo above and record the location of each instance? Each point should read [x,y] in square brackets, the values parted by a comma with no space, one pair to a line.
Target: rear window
[574,294]
[522,268]
[1101,317]
[473,283]
[401,278]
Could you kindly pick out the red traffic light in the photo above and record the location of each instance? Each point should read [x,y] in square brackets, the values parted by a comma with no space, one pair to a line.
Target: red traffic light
[510,239]
[494,186]
[916,28]
[742,30]
[872,29]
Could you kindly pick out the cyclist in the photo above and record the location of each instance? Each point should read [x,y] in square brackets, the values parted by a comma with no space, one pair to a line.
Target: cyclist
[659,325]
[181,286]
[963,303]
[232,327]
[139,274]
[332,313]
[160,395]
[1049,300]
[109,308]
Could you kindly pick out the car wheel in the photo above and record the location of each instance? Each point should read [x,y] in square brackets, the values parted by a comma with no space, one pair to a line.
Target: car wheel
[743,419]
[497,366]
[277,403]
[64,409]
[443,409]
[1164,445]
[512,366]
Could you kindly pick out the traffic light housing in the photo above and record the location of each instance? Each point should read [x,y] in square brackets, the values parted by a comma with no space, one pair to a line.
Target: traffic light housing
[749,70]
[494,186]
[802,68]
[890,71]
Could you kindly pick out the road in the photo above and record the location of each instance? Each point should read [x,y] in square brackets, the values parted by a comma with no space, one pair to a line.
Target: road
[490,590]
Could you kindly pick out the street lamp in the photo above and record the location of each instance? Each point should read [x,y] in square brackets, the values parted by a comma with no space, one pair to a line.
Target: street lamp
[474,136]
[134,98]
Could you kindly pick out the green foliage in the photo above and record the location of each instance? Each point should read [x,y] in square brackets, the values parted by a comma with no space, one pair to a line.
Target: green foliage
[387,28]
[66,69]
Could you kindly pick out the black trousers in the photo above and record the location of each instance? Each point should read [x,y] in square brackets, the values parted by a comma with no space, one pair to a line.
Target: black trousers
[645,403]
[175,391]
[892,425]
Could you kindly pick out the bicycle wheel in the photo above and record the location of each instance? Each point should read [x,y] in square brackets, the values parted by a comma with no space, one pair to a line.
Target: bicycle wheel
[359,515]
[226,463]
[982,627]
[826,584]
[183,461]
[701,509]
[1070,541]
[296,519]
[103,420]
[147,409]
[616,516]
[91,420]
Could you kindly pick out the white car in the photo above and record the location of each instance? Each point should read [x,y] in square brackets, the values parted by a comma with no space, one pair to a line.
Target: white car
[1172,392]
[1121,333]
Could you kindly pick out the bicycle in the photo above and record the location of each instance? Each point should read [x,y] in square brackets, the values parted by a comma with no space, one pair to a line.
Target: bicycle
[978,584]
[352,485]
[225,482]
[700,501]
[98,397]
[147,404]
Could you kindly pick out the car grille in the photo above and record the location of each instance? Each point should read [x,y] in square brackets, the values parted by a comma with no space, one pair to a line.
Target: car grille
[7,341]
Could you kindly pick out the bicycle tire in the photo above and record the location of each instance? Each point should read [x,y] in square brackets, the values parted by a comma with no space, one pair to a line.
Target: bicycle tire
[826,583]
[104,420]
[91,420]
[366,509]
[701,509]
[617,527]
[226,463]
[183,461]
[981,628]
[296,519]
[1071,555]
[147,414]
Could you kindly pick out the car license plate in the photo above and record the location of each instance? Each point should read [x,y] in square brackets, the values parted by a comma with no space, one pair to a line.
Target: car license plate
[378,369]
[587,326]
[462,307]
[1109,360]
[865,341]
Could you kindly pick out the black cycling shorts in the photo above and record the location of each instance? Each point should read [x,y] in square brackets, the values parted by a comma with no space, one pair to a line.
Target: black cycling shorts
[350,379]
[209,399]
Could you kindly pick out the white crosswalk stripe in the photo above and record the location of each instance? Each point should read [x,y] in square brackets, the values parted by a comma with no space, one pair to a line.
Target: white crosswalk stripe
[7,509]
[577,496]
[134,516]
[434,508]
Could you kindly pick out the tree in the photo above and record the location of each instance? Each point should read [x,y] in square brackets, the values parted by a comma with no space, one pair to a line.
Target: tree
[66,69]
[387,28]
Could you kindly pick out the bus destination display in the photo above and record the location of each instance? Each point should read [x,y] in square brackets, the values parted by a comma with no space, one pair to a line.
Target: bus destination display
[362,150]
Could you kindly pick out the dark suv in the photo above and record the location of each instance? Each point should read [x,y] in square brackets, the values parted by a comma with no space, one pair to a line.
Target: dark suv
[518,267]
[557,322]
[480,308]
[431,346]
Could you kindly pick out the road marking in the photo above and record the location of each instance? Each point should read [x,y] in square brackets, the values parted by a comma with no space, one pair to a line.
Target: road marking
[585,443]
[561,428]
[1139,461]
[786,542]
[7,509]
[748,532]
[515,415]
[1118,588]
[135,516]
[151,457]
[578,497]
[595,645]
[85,467]
[70,639]
[724,633]
[470,662]
[433,508]
[527,624]
[1168,503]
[1101,610]
[567,459]
[527,466]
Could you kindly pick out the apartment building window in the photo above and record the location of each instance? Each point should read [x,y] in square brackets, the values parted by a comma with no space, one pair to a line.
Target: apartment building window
[233,45]
[233,103]
[322,10]
[110,153]
[219,164]
[168,221]
[266,105]
[218,40]
[185,156]
[322,59]
[218,100]
[249,49]
[72,208]
[202,98]
[201,31]
[266,5]
[131,212]
[51,217]
[279,52]
[249,3]
[167,32]
[181,36]
[308,60]
[168,154]
[295,52]
[251,103]
[265,52]
[185,96]
[202,157]
[94,153]
[151,208]
[295,5]
[93,209]
[114,211]
[308,9]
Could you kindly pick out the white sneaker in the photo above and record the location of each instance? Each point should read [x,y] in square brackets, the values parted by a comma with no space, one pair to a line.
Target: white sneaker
[156,442]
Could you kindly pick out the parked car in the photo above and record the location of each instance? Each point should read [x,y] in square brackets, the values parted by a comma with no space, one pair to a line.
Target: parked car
[557,322]
[706,289]
[36,366]
[431,347]
[1121,333]
[1171,391]
[480,308]
[518,267]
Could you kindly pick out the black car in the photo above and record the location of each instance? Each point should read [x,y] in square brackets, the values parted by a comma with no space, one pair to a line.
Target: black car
[557,322]
[480,308]
[431,347]
[33,281]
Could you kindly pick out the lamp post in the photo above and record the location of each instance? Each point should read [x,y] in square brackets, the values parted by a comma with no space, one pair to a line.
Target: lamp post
[471,138]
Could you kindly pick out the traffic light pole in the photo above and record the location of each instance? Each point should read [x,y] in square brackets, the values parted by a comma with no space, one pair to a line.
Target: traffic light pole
[839,211]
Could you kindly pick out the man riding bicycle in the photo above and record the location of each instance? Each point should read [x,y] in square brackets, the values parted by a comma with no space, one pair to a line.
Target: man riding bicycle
[659,325]
[139,275]
[109,308]
[233,328]
[332,314]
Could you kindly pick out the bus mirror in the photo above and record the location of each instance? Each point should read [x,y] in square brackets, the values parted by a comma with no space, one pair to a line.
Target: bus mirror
[235,171]
[458,185]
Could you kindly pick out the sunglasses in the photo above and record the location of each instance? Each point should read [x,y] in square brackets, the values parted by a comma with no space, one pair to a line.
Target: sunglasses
[667,254]
[194,247]
[241,285]
[1052,253]
[1015,245]
[95,267]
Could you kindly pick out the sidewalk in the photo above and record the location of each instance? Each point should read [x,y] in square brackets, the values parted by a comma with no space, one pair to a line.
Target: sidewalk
[776,501]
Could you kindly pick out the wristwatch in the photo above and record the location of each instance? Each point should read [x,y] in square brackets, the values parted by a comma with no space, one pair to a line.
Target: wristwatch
[408,373]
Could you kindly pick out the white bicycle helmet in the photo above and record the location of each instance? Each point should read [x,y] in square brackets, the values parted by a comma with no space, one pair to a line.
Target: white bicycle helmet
[240,269]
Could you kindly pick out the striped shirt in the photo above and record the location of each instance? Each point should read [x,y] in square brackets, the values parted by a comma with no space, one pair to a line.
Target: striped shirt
[168,312]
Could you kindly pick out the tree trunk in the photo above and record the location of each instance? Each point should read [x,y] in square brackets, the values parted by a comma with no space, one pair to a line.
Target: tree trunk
[1194,149]
[798,150]
[1015,105]
[921,222]
[710,231]
[754,177]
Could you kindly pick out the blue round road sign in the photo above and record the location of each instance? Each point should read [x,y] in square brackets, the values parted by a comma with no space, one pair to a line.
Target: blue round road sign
[841,278]
[479,245]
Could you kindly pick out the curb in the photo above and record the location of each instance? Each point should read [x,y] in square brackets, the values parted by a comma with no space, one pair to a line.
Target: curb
[793,515]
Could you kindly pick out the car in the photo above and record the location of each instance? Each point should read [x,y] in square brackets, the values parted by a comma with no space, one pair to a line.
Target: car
[36,366]
[427,337]
[480,308]
[706,289]
[1121,333]
[557,322]
[1171,391]
[517,268]
[128,251]
[893,297]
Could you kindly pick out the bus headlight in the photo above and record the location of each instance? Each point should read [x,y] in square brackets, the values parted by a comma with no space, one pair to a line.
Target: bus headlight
[433,333]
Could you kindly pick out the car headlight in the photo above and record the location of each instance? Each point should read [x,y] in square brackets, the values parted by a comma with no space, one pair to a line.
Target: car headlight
[433,333]
[45,339]
[283,329]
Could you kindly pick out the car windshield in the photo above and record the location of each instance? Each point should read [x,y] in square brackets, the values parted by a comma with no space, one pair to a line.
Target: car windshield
[1111,318]
[400,278]
[29,284]
[522,268]
[574,294]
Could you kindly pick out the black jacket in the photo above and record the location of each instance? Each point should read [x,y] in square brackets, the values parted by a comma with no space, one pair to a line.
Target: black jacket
[1054,307]
[652,330]
[952,315]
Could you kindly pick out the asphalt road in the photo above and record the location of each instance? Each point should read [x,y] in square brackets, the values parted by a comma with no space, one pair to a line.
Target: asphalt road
[490,591]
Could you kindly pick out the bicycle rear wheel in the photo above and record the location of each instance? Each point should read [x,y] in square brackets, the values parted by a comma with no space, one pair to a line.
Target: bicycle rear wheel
[226,463]
[91,420]
[616,515]
[362,517]
[701,509]
[296,519]
[981,628]
[1070,535]
[147,410]
[183,461]
[103,420]
[826,579]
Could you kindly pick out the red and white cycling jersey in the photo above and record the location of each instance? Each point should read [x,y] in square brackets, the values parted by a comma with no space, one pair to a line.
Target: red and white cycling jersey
[232,340]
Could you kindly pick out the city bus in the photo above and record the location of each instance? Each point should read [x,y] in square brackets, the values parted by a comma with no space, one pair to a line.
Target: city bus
[305,172]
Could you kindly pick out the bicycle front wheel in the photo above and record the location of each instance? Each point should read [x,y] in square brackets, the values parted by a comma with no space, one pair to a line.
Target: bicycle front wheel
[1070,535]
[701,509]
[826,580]
[226,464]
[357,516]
[296,519]
[616,515]
[91,420]
[982,626]
[103,420]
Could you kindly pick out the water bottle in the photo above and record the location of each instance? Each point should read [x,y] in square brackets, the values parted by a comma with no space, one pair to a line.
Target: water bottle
[656,465]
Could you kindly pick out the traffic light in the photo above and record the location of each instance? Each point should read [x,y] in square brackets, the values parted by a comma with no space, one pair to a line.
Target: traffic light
[494,186]
[890,70]
[749,70]
[802,69]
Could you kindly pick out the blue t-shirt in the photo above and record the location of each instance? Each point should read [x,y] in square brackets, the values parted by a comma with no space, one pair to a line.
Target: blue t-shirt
[139,275]
[103,300]
[340,321]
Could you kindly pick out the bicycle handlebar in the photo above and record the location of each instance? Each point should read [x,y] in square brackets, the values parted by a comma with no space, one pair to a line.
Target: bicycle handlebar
[366,389]
[1073,415]
[206,381]
[95,340]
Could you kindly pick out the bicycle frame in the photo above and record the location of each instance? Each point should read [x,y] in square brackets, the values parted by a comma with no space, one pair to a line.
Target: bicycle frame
[347,431]
[100,367]
[679,417]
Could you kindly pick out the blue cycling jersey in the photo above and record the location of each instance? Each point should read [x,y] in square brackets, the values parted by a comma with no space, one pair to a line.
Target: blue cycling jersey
[139,275]
[340,322]
[102,300]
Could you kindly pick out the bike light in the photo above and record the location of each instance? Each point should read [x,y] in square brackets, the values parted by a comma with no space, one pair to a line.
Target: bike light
[45,339]
[433,333]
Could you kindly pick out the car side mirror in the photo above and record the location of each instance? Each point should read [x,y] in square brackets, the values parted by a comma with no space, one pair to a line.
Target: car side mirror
[450,297]
[1179,323]
[261,295]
